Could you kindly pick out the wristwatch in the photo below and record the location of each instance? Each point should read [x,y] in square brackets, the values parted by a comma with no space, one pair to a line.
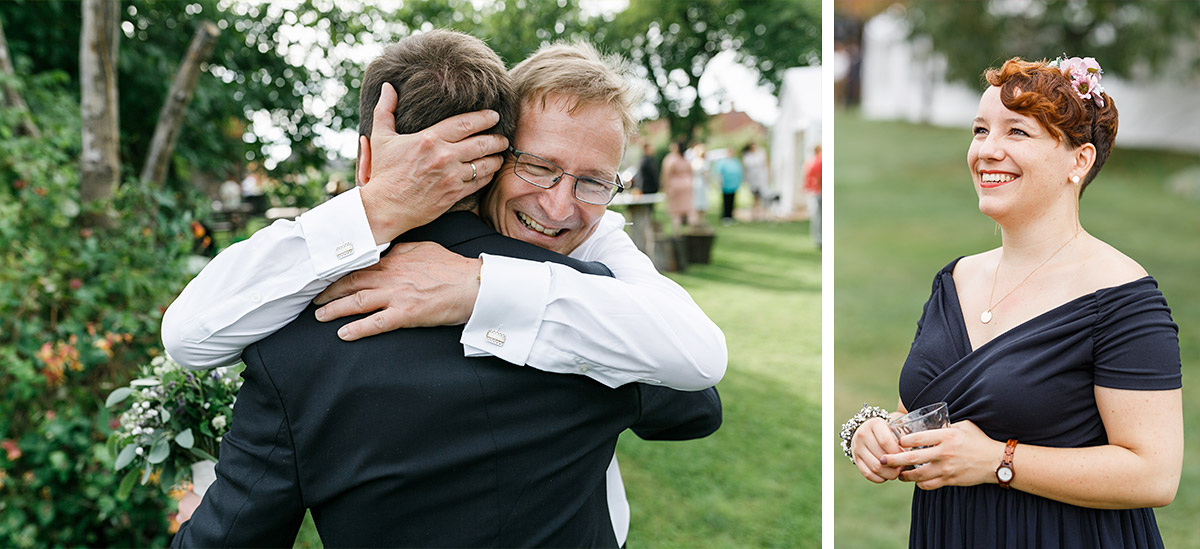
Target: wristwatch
[1004,473]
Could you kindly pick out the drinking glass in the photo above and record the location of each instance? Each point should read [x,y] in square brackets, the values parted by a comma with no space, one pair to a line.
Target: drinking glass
[933,416]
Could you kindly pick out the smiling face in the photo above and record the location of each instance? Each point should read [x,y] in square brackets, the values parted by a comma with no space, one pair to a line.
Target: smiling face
[1016,164]
[588,142]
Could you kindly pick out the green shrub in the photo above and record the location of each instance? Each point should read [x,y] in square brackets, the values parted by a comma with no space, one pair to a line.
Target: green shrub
[81,308]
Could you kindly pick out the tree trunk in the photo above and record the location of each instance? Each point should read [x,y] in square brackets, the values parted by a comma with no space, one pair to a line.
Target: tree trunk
[100,168]
[11,97]
[166,132]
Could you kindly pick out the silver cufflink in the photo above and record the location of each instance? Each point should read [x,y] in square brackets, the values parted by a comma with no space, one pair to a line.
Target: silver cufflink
[495,337]
[345,250]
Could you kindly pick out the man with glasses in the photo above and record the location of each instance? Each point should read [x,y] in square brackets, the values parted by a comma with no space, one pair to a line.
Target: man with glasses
[586,325]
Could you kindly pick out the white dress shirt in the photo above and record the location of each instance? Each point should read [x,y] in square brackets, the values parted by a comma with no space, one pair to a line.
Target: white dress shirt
[638,327]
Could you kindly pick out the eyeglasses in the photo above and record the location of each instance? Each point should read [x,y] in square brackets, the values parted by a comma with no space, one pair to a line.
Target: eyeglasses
[539,172]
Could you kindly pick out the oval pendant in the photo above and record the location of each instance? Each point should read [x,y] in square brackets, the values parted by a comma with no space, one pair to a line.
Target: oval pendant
[986,317]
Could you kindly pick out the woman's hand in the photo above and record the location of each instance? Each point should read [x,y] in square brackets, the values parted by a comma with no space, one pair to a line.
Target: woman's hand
[961,455]
[871,441]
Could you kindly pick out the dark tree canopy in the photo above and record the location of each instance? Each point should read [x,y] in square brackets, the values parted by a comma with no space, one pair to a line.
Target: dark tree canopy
[278,64]
[1128,38]
[673,41]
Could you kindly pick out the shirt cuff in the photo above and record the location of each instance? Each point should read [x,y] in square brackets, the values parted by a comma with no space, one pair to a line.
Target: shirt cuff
[339,237]
[508,310]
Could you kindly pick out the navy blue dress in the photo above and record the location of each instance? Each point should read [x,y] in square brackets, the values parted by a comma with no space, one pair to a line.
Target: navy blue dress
[1035,383]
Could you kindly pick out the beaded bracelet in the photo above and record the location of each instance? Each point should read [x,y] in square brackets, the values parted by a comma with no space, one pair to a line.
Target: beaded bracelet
[848,428]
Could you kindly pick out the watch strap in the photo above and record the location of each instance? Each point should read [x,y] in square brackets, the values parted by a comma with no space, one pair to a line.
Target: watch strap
[1007,463]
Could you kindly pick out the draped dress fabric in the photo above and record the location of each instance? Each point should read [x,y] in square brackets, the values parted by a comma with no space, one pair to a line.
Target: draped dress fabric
[1036,383]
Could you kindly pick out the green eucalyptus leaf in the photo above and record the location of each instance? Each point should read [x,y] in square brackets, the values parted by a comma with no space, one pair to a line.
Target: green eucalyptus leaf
[168,475]
[125,457]
[202,454]
[158,452]
[146,474]
[165,415]
[185,439]
[127,485]
[117,396]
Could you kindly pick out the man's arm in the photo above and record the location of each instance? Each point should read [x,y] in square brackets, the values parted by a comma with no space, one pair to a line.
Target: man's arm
[256,499]
[639,327]
[255,287]
[668,414]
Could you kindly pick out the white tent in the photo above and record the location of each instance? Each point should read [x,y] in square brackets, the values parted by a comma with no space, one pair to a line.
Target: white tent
[903,79]
[795,134]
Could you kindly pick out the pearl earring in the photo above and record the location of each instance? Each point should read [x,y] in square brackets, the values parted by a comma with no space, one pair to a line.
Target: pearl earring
[1075,179]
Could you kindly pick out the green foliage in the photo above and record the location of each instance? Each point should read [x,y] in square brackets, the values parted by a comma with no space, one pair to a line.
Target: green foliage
[975,35]
[82,304]
[257,66]
[304,189]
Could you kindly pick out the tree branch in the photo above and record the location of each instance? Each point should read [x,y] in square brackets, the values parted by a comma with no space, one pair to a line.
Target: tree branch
[170,118]
[11,97]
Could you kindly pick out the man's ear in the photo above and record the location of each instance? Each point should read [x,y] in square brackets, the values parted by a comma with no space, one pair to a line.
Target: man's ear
[363,172]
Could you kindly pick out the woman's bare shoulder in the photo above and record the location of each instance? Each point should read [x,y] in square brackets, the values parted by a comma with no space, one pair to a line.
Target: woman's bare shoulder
[981,263]
[1104,266]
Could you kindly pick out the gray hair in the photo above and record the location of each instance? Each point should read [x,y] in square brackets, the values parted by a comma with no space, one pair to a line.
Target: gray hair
[580,72]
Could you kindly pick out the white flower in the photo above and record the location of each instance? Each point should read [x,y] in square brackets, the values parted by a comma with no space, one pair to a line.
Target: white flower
[219,439]
[152,412]
[206,405]
[219,421]
[139,451]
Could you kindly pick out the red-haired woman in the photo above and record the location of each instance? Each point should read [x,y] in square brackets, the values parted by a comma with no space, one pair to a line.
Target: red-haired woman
[1056,353]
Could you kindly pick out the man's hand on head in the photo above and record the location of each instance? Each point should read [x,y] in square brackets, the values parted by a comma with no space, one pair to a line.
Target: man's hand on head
[414,178]
[413,285]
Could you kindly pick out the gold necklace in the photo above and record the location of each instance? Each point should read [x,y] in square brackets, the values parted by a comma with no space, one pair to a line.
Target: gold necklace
[986,316]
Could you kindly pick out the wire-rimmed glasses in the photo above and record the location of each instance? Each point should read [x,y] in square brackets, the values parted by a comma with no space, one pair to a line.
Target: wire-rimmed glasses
[539,172]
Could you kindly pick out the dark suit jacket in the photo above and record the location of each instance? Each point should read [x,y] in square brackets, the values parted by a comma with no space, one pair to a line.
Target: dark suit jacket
[398,440]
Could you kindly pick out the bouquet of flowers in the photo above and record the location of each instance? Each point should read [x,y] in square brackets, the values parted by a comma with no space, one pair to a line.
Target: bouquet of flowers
[174,418]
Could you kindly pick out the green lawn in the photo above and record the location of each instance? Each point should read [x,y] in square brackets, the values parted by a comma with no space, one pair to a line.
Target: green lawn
[904,208]
[756,482]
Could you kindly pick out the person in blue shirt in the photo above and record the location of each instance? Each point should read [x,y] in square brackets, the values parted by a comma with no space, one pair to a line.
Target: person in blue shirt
[730,172]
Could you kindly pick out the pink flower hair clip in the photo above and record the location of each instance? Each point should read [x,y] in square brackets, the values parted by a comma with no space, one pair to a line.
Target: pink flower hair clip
[1085,76]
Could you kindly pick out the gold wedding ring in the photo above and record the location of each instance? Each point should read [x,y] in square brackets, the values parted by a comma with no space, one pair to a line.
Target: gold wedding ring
[474,172]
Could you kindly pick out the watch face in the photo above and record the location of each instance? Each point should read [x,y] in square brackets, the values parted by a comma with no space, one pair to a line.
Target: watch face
[1004,474]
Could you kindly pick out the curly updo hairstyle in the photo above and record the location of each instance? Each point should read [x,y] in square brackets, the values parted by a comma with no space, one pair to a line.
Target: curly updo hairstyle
[1046,95]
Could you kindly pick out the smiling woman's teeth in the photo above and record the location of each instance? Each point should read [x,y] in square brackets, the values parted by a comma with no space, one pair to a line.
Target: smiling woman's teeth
[529,222]
[995,177]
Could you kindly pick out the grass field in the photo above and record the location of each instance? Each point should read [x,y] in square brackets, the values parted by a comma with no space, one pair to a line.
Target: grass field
[756,482]
[905,207]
